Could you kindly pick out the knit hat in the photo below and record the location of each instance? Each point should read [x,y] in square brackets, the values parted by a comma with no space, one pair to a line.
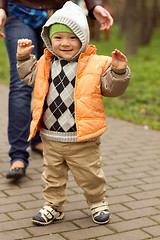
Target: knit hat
[57,27]
[72,16]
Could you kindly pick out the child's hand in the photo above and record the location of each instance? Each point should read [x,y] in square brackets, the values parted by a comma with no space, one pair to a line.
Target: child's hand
[24,47]
[119,60]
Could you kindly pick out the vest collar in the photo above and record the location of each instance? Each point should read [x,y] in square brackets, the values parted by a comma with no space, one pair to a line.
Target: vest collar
[47,53]
[90,50]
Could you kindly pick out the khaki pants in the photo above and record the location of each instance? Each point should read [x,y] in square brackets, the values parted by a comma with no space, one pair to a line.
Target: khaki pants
[84,161]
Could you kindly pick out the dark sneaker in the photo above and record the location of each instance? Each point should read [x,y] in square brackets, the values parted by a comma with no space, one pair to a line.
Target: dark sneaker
[47,215]
[16,173]
[100,213]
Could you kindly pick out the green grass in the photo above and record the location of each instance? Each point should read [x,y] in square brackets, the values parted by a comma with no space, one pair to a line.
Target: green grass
[141,102]
[4,64]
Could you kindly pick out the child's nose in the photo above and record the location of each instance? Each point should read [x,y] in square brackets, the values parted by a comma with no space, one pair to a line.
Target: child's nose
[65,42]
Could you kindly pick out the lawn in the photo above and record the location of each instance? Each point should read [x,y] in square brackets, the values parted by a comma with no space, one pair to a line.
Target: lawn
[4,64]
[141,102]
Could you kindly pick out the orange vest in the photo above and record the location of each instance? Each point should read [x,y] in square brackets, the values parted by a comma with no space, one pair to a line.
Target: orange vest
[89,110]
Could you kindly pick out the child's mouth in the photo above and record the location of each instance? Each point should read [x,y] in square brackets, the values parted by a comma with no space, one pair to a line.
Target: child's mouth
[66,50]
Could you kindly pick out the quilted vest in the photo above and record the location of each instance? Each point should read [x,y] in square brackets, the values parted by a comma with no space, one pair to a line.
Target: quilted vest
[89,110]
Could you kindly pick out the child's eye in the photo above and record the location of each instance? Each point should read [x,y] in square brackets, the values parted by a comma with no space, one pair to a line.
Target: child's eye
[73,37]
[57,37]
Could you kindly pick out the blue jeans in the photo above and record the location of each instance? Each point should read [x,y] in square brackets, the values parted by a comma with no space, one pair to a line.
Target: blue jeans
[19,93]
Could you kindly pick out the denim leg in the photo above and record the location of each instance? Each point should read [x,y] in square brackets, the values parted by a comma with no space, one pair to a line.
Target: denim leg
[19,93]
[39,52]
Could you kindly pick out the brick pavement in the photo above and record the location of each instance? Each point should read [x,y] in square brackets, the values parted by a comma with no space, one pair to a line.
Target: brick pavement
[131,161]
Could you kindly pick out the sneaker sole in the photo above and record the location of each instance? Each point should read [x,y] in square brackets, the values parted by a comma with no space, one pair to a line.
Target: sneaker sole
[101,222]
[47,223]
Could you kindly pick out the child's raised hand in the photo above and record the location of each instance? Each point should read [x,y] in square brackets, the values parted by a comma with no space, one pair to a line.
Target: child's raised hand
[24,47]
[119,60]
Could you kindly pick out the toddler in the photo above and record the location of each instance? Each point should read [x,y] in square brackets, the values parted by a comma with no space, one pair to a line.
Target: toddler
[69,81]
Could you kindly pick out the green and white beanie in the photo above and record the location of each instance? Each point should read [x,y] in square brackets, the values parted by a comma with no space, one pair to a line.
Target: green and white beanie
[58,27]
[71,16]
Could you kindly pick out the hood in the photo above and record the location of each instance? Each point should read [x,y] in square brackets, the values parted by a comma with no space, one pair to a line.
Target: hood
[72,16]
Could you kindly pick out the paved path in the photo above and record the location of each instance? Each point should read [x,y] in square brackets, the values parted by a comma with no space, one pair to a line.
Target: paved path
[131,157]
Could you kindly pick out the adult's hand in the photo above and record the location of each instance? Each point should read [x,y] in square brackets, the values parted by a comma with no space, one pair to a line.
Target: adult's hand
[103,17]
[3,18]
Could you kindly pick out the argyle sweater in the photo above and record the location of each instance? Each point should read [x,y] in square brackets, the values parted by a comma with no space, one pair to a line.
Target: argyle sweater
[58,123]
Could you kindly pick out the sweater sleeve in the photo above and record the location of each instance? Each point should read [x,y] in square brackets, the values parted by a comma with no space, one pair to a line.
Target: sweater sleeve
[114,85]
[27,70]
[91,4]
[4,4]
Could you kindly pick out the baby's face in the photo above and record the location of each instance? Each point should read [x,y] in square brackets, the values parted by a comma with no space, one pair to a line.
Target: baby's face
[65,45]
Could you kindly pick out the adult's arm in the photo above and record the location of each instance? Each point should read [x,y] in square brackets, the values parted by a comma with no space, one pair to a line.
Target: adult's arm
[4,4]
[91,5]
[3,17]
[48,4]
[97,11]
